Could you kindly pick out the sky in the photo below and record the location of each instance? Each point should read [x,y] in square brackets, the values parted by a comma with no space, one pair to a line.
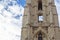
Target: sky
[11,12]
[57,3]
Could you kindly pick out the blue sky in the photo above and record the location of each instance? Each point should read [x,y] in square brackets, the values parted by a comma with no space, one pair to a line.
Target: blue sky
[11,12]
[11,19]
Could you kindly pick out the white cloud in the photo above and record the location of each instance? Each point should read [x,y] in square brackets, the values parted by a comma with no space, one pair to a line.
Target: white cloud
[14,9]
[1,6]
[10,27]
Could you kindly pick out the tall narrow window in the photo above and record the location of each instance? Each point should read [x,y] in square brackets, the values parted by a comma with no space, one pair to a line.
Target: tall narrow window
[40,5]
[40,36]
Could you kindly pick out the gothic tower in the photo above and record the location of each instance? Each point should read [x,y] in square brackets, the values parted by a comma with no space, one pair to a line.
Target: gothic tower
[40,21]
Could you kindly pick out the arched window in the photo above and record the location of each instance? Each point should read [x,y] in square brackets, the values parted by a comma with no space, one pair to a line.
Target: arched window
[40,36]
[40,5]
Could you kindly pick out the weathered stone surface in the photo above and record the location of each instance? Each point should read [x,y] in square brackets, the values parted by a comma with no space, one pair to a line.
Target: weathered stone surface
[31,25]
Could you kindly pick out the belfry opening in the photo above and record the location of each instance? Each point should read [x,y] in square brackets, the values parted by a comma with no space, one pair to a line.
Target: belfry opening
[39,4]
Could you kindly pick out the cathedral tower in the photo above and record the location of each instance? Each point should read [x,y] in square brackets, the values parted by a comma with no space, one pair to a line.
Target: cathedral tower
[40,21]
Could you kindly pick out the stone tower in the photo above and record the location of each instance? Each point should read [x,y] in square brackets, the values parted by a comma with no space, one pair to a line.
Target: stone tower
[40,21]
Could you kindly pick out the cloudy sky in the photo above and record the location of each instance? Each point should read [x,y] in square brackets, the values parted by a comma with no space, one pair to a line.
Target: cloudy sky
[57,2]
[11,12]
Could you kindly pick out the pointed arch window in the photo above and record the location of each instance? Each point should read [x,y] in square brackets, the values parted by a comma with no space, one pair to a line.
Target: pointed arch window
[40,5]
[40,36]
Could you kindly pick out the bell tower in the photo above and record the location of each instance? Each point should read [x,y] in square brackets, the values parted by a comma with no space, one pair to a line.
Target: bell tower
[39,20]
